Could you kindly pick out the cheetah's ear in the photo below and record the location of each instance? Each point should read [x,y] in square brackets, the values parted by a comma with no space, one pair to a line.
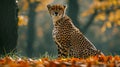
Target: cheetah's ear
[48,6]
[65,6]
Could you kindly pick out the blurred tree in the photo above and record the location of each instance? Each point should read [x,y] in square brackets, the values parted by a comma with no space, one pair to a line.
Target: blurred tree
[31,28]
[89,23]
[27,17]
[8,26]
[73,10]
[107,11]
[106,14]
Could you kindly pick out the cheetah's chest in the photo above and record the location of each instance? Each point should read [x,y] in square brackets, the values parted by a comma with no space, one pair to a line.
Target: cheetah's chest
[61,35]
[54,33]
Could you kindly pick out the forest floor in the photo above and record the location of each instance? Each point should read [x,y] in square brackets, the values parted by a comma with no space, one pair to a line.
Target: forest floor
[94,61]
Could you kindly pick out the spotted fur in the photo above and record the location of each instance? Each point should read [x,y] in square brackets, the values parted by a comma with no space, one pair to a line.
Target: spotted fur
[70,41]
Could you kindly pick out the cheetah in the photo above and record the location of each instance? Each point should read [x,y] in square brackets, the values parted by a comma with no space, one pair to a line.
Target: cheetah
[69,39]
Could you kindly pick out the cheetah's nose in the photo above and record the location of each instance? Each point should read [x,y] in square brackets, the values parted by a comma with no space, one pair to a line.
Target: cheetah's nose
[56,13]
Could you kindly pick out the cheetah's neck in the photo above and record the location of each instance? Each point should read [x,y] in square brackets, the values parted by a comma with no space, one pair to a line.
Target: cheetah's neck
[55,19]
[63,23]
[60,20]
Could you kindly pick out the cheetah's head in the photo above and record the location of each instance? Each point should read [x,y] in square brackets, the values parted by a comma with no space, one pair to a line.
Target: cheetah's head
[56,11]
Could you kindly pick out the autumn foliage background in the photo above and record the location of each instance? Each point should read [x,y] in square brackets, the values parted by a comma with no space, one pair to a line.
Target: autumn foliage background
[99,20]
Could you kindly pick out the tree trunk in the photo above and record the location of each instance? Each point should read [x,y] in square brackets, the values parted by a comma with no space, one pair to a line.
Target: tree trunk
[8,26]
[73,11]
[31,29]
[89,23]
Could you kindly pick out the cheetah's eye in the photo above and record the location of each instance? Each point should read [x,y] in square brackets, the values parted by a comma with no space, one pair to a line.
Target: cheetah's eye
[52,8]
[59,8]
